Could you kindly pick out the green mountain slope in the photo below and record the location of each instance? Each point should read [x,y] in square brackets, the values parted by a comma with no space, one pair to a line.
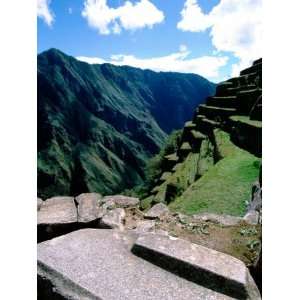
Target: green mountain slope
[216,157]
[99,124]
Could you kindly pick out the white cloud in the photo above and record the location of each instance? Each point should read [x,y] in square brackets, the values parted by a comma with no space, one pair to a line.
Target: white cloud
[91,60]
[207,66]
[128,16]
[183,48]
[236,26]
[44,12]
[70,10]
[193,19]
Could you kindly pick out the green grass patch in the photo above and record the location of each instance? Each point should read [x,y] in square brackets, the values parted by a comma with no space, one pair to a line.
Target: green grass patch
[226,186]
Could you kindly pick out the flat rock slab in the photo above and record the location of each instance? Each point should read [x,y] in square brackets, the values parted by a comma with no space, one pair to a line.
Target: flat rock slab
[145,226]
[157,211]
[57,210]
[212,269]
[88,207]
[98,264]
[121,201]
[224,220]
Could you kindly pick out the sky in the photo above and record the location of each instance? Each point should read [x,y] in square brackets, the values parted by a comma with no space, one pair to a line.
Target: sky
[213,38]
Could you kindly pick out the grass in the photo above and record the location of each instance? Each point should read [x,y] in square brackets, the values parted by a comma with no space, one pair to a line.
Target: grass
[226,186]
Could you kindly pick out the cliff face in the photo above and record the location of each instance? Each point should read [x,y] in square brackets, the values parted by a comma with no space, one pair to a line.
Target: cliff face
[218,155]
[98,124]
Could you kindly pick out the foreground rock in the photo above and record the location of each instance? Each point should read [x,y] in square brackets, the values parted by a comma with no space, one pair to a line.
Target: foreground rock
[224,220]
[98,264]
[56,216]
[145,226]
[113,219]
[57,210]
[157,211]
[88,207]
[204,266]
[120,201]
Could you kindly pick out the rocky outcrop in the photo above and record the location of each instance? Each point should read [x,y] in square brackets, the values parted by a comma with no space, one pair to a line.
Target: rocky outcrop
[60,215]
[157,211]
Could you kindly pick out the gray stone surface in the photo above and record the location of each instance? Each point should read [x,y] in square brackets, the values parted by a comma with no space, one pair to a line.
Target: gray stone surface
[145,226]
[205,266]
[114,219]
[98,264]
[57,210]
[157,211]
[39,203]
[88,207]
[121,201]
[252,217]
[224,220]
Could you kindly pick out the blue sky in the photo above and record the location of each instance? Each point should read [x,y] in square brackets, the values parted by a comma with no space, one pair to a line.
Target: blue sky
[213,38]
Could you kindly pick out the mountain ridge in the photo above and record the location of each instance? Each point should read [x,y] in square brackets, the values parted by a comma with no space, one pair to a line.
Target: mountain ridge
[98,124]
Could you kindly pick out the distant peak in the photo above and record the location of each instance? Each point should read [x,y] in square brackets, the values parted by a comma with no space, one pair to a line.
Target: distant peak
[53,51]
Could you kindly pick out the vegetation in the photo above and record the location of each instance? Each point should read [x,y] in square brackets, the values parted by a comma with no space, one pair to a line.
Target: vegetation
[99,124]
[226,186]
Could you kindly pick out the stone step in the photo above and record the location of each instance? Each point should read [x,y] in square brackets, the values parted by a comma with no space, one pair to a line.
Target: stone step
[213,111]
[258,61]
[169,161]
[206,125]
[98,264]
[165,176]
[190,125]
[174,169]
[184,150]
[256,110]
[197,135]
[234,91]
[221,89]
[249,79]
[155,190]
[215,270]
[172,157]
[246,100]
[224,102]
[247,134]
[196,140]
[257,68]
[187,130]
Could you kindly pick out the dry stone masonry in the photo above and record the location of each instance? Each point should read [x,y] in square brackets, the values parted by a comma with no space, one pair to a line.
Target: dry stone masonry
[236,109]
[100,255]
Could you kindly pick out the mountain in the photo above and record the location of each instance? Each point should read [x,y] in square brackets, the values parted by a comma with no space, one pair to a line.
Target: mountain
[99,124]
